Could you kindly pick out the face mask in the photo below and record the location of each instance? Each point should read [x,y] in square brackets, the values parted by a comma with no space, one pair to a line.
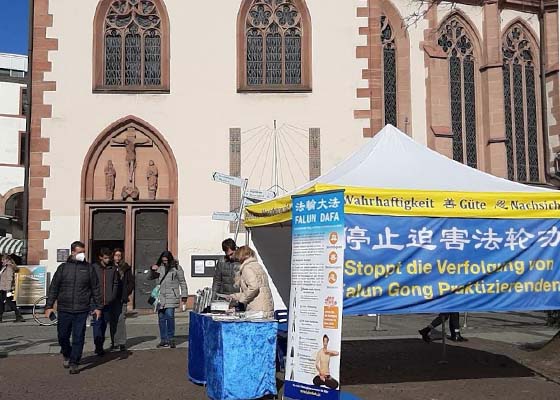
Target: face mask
[81,257]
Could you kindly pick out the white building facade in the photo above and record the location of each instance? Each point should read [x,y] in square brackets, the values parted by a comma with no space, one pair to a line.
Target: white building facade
[13,111]
[138,102]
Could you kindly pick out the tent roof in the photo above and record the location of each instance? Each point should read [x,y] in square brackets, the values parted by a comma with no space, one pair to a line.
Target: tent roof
[393,160]
[390,160]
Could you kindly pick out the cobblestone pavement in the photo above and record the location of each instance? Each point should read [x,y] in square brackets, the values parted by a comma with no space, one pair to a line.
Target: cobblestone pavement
[376,364]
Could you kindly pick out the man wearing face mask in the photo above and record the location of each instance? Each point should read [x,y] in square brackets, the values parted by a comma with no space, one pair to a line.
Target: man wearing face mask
[75,286]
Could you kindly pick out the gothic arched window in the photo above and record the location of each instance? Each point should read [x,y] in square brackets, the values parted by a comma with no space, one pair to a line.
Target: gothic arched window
[458,46]
[131,46]
[520,106]
[274,46]
[389,72]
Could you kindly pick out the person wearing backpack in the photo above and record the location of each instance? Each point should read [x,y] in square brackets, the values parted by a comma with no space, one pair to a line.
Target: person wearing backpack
[172,290]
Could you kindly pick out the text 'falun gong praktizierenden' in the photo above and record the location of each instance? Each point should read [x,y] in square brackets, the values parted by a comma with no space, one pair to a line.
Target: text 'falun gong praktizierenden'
[481,278]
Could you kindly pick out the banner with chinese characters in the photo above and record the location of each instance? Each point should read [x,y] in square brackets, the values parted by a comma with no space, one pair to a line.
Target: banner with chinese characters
[316,296]
[415,264]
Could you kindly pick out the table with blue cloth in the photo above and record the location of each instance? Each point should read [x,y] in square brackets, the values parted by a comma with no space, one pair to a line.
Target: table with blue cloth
[234,359]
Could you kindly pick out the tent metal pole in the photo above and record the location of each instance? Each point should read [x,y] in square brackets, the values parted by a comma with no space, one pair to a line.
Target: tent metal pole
[378,322]
[465,326]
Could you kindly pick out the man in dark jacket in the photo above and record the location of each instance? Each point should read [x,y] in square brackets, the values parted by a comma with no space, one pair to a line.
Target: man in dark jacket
[74,287]
[224,275]
[108,283]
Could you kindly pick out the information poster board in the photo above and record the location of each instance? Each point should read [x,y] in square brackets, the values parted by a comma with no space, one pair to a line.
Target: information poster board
[204,265]
[315,308]
[31,283]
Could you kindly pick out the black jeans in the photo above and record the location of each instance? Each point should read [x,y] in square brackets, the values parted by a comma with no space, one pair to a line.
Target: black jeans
[72,324]
[100,327]
[7,300]
[454,325]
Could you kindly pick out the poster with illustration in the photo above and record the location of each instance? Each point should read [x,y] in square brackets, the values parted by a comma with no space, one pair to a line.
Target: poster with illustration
[315,308]
[31,284]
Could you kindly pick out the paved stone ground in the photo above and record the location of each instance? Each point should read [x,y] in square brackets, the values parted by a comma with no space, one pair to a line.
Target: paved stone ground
[389,363]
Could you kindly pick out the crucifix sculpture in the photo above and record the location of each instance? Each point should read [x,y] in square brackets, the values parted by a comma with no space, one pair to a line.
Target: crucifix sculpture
[130,142]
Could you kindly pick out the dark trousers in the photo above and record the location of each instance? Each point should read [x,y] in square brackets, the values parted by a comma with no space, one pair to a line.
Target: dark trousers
[118,334]
[329,382]
[72,324]
[9,301]
[100,326]
[454,325]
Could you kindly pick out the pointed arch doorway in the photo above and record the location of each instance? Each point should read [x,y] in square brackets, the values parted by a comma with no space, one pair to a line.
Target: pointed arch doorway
[129,198]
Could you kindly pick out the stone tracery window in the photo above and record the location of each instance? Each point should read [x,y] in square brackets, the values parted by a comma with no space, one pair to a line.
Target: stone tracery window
[456,43]
[275,46]
[520,105]
[389,72]
[132,46]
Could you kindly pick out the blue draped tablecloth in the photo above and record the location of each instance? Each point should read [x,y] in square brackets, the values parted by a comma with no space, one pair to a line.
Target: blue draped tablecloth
[197,369]
[236,360]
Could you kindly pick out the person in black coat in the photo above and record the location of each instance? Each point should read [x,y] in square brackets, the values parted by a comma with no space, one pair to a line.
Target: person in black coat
[226,269]
[125,287]
[74,287]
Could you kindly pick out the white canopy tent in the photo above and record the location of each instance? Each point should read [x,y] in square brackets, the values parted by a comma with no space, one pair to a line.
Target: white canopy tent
[390,160]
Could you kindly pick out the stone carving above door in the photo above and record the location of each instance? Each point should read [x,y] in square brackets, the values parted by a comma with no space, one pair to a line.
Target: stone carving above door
[152,177]
[110,175]
[130,140]
[129,163]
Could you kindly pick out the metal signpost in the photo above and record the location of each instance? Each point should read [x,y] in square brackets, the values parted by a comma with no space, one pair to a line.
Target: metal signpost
[248,197]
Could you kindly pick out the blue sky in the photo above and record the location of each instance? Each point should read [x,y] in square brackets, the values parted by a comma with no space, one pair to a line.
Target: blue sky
[13,26]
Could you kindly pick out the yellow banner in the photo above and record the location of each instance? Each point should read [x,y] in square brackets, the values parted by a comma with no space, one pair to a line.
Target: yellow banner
[370,201]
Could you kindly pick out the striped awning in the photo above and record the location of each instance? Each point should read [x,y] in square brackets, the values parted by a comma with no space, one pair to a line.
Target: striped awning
[11,246]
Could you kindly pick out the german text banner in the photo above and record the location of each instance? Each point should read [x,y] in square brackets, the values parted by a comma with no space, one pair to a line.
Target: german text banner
[420,264]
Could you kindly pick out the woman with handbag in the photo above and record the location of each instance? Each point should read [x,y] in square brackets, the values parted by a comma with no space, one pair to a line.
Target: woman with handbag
[168,294]
[8,269]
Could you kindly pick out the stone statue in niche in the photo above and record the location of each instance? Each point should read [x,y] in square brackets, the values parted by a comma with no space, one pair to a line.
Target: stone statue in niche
[152,176]
[110,175]
[131,142]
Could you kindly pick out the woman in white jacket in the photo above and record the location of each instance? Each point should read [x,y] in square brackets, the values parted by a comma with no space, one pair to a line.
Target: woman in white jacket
[253,281]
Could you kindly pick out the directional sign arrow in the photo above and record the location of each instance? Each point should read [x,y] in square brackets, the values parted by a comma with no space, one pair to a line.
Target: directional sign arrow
[224,216]
[228,179]
[257,194]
